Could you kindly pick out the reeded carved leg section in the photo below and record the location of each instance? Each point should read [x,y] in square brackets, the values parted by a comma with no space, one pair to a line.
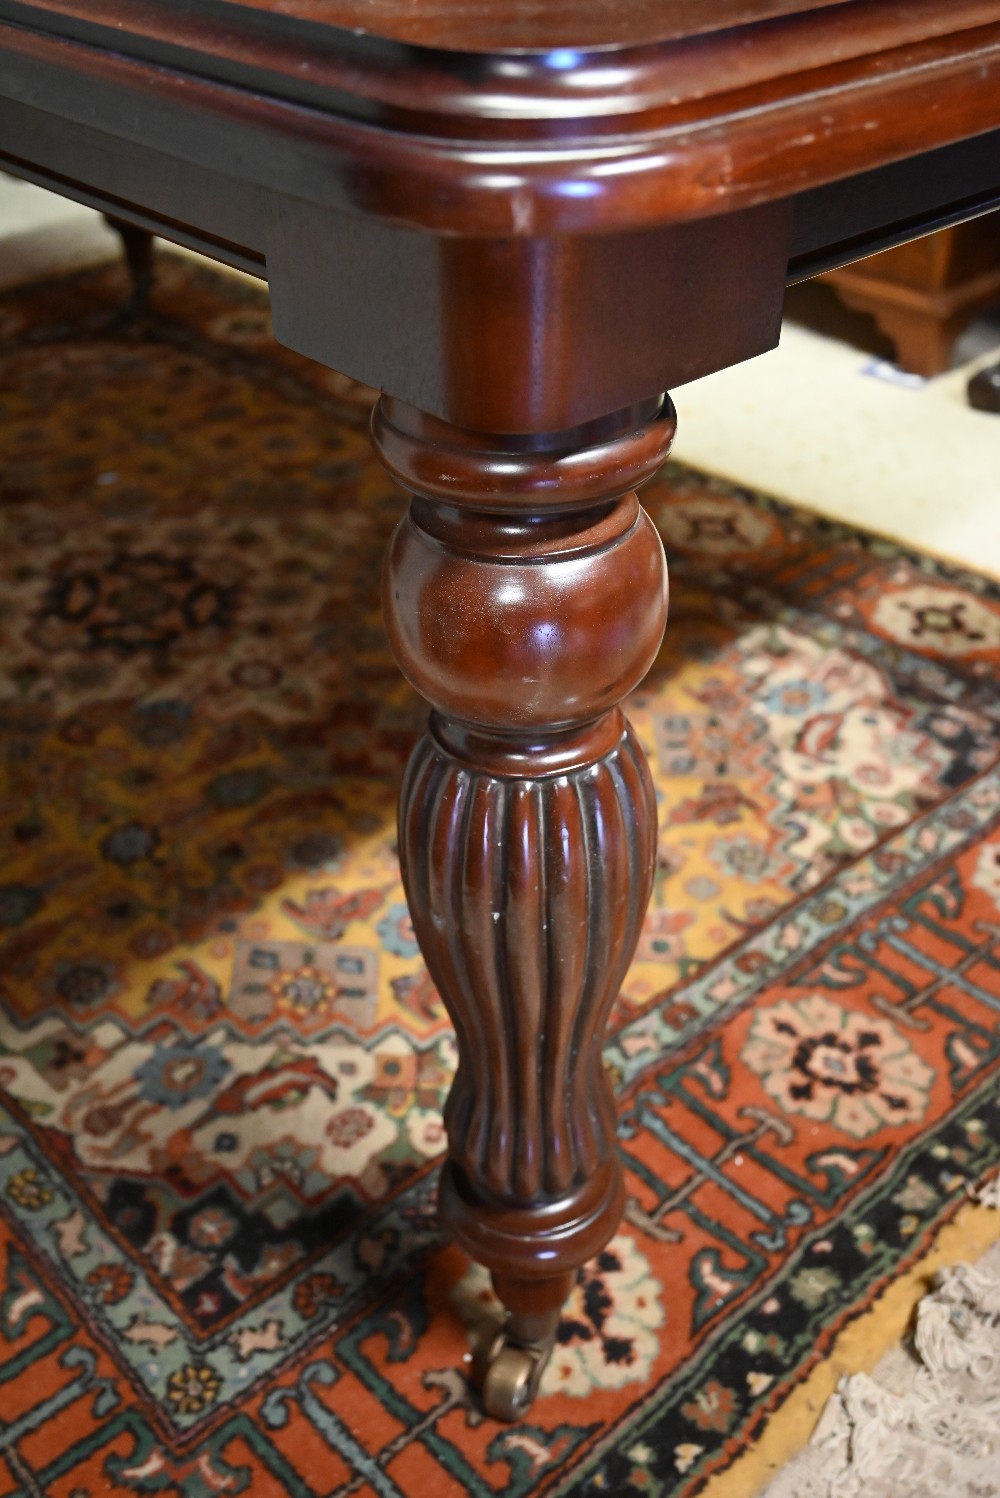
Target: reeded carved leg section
[525,595]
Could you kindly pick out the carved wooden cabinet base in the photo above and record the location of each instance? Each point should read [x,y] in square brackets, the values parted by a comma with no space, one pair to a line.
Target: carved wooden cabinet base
[525,596]
[924,294]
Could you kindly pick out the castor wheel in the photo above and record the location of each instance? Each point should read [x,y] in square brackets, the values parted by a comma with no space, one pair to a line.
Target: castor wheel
[508,1373]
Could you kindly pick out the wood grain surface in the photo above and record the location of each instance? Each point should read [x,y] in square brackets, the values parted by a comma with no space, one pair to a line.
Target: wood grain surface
[477,25]
[506,144]
[525,595]
[516,218]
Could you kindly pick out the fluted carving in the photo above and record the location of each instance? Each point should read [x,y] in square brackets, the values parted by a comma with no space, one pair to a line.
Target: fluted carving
[525,596]
[527,900]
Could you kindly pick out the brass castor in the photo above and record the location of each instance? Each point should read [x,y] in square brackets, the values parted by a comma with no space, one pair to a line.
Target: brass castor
[507,1372]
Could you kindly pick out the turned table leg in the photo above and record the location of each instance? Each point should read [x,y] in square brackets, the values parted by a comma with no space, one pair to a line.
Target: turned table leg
[525,596]
[138,246]
[984,389]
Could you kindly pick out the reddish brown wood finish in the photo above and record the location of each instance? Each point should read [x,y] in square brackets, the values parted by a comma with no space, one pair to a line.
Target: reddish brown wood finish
[482,25]
[525,595]
[516,217]
[656,129]
[588,184]
[922,295]
[567,330]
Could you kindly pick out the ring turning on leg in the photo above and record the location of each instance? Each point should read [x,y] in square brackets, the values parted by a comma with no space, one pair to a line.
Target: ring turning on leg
[525,596]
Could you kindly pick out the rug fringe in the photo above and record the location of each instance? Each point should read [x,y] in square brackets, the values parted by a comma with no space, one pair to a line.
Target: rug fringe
[988,1194]
[806,1415]
[938,1430]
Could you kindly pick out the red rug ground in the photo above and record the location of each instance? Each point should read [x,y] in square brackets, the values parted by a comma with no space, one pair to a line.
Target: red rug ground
[221,1061]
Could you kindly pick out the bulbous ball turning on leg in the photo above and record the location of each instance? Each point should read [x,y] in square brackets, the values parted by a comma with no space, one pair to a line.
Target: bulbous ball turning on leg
[525,596]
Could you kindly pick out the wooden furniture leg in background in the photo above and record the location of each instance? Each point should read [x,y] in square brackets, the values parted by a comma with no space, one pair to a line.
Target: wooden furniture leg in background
[525,596]
[925,293]
[984,389]
[138,246]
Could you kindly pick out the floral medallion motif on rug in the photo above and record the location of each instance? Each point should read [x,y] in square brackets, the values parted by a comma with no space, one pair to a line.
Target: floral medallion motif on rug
[222,1063]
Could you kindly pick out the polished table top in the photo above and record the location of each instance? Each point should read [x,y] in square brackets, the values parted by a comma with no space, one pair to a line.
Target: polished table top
[484,25]
[470,25]
[523,222]
[621,114]
[765,140]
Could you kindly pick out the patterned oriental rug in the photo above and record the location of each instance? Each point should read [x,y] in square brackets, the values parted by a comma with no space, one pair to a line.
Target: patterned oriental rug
[222,1063]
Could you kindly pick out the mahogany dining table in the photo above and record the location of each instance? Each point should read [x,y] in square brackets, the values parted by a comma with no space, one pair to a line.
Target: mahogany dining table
[523,221]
